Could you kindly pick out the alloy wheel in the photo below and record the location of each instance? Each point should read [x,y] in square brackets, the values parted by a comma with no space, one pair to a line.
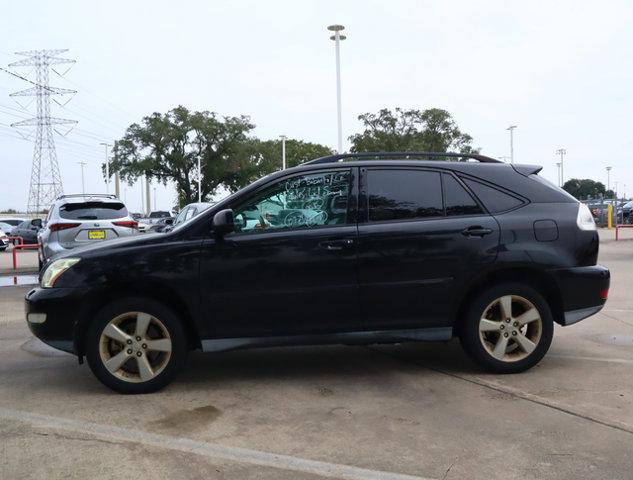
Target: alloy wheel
[135,347]
[510,328]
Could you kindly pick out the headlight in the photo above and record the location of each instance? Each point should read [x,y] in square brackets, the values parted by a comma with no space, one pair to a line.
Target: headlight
[55,269]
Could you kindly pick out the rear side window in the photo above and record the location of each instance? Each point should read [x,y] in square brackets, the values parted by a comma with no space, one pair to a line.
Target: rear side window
[494,200]
[403,194]
[456,199]
[92,211]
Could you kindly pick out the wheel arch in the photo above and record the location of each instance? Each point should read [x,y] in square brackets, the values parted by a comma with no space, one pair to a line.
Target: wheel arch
[538,279]
[153,290]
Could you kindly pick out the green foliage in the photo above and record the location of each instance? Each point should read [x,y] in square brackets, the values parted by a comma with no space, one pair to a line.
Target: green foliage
[9,210]
[167,147]
[584,188]
[432,130]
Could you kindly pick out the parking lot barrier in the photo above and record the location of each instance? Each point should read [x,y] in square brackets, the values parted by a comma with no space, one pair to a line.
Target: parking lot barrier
[20,245]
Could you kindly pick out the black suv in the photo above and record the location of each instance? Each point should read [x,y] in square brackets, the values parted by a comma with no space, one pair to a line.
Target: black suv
[354,249]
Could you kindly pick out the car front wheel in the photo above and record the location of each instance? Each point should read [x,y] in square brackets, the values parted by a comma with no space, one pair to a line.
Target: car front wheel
[508,328]
[135,345]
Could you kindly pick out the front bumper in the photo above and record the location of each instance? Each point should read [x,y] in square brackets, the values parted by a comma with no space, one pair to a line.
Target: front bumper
[583,291]
[62,309]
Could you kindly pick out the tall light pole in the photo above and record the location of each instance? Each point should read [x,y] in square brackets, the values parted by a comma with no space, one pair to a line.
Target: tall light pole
[283,151]
[616,188]
[83,187]
[155,199]
[338,38]
[199,181]
[107,162]
[558,169]
[608,178]
[562,152]
[511,128]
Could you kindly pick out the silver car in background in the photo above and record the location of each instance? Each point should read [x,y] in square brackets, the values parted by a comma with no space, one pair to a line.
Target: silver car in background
[76,220]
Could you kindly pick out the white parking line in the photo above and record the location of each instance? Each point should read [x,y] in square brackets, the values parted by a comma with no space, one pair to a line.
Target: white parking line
[592,359]
[211,450]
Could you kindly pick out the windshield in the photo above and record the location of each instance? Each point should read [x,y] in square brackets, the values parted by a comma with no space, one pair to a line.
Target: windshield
[93,211]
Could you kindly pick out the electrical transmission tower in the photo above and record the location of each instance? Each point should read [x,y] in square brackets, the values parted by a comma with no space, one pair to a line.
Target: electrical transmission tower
[46,182]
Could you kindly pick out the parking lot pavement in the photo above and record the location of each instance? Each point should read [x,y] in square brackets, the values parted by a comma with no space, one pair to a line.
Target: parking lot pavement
[26,261]
[390,412]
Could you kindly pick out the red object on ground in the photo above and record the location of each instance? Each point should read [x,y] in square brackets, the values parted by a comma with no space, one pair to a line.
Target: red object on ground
[20,246]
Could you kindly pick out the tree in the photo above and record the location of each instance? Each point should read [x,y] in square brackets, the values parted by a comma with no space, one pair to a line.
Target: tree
[166,147]
[584,188]
[432,130]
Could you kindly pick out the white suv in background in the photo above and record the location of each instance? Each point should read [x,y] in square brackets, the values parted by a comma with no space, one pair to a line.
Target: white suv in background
[76,220]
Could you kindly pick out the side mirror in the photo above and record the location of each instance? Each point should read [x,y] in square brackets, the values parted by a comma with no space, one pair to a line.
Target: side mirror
[169,221]
[223,222]
[36,222]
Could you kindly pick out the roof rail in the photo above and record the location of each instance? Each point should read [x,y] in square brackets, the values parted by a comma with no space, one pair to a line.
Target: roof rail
[406,155]
[101,195]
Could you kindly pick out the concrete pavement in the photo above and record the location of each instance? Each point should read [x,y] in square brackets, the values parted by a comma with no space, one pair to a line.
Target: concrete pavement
[390,412]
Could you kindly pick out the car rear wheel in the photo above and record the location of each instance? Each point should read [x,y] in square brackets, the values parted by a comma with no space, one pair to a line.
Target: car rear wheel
[508,328]
[136,345]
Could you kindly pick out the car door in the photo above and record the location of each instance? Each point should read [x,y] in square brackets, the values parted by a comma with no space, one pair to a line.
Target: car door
[290,266]
[421,234]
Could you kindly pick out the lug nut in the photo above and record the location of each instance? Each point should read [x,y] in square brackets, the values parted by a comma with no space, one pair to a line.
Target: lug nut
[138,354]
[144,345]
[138,339]
[129,352]
[514,333]
[505,334]
[507,320]
[516,324]
[129,341]
[502,326]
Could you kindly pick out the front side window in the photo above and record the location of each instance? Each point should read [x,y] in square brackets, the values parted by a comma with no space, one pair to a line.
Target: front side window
[399,194]
[305,201]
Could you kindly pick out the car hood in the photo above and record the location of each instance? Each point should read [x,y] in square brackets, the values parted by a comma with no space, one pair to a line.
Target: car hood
[106,247]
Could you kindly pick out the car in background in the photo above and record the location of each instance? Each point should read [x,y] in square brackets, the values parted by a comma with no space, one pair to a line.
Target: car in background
[13,221]
[78,220]
[156,215]
[27,230]
[624,213]
[188,212]
[4,240]
[162,223]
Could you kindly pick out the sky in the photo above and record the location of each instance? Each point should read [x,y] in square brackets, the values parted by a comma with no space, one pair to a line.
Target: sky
[561,71]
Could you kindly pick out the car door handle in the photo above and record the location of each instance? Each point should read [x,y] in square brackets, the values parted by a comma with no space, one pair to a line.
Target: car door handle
[337,244]
[476,231]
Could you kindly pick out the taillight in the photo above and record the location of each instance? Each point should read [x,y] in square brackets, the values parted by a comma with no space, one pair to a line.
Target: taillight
[55,227]
[604,293]
[126,223]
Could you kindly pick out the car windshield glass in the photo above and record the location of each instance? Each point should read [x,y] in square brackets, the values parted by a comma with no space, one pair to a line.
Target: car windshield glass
[92,211]
[159,215]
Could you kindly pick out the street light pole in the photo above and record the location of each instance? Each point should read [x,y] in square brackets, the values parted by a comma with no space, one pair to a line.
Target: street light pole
[608,178]
[558,169]
[511,128]
[199,181]
[338,38]
[561,152]
[283,151]
[107,165]
[155,199]
[83,188]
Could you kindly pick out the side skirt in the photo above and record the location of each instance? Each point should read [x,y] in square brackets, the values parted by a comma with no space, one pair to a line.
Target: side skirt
[353,338]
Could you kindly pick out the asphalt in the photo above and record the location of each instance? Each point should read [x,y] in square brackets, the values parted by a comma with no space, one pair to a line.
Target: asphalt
[384,412]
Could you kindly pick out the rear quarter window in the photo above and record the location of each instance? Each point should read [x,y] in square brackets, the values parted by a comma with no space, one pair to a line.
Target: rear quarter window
[495,200]
[93,211]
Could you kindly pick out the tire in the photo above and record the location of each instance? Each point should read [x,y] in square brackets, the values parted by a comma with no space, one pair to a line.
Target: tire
[503,346]
[128,365]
